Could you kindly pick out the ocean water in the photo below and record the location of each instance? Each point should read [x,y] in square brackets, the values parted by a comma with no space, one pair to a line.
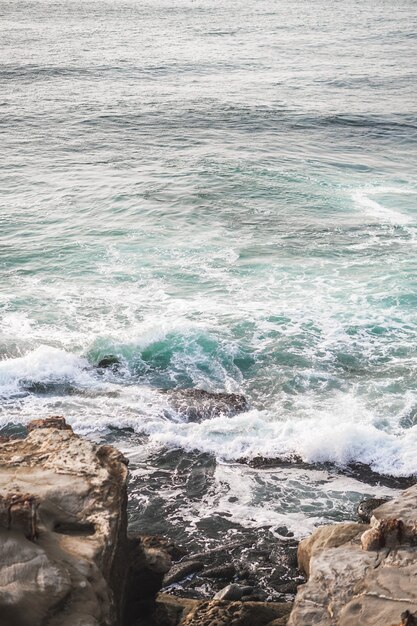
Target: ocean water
[224,196]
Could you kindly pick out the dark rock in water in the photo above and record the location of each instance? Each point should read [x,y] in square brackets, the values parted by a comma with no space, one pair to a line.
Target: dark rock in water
[109,362]
[222,571]
[179,571]
[49,388]
[233,592]
[358,471]
[197,404]
[289,588]
[284,532]
[366,507]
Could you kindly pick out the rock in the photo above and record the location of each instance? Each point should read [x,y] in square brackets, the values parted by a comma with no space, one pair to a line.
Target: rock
[147,566]
[233,592]
[174,551]
[408,619]
[323,538]
[170,610]
[109,362]
[358,471]
[62,529]
[280,621]
[197,404]
[220,613]
[287,588]
[364,578]
[55,421]
[179,571]
[384,534]
[284,532]
[222,571]
[366,507]
[259,596]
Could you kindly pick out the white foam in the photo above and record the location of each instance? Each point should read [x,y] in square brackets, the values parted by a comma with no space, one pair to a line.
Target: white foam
[44,364]
[364,198]
[317,439]
[294,497]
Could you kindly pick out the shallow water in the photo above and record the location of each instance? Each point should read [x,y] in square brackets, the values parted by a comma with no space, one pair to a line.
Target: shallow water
[225,198]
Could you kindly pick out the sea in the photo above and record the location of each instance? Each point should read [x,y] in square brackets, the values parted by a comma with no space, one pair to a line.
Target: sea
[222,195]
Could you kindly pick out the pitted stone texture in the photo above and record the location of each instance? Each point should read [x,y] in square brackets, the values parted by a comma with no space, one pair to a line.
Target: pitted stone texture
[62,529]
[364,578]
[222,613]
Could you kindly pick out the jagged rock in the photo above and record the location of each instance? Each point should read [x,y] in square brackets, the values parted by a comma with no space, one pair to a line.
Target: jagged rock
[222,571]
[366,508]
[284,532]
[364,578]
[109,361]
[179,571]
[233,592]
[54,421]
[62,529]
[221,613]
[197,404]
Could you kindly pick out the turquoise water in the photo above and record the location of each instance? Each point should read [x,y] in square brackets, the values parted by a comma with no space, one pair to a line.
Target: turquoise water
[223,196]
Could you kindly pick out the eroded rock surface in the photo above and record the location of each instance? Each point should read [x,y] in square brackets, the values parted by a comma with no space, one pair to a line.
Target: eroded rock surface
[362,574]
[62,529]
[221,613]
[196,404]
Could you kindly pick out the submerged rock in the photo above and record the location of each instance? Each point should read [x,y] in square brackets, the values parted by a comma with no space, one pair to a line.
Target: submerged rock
[197,404]
[362,577]
[109,362]
[62,529]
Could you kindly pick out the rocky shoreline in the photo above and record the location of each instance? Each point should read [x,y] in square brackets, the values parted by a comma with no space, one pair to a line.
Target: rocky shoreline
[68,559]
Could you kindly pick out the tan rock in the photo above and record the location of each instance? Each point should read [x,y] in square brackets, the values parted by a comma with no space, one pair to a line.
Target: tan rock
[365,579]
[223,613]
[62,529]
[325,537]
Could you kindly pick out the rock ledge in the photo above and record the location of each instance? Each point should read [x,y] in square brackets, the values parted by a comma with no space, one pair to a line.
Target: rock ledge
[62,529]
[360,574]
